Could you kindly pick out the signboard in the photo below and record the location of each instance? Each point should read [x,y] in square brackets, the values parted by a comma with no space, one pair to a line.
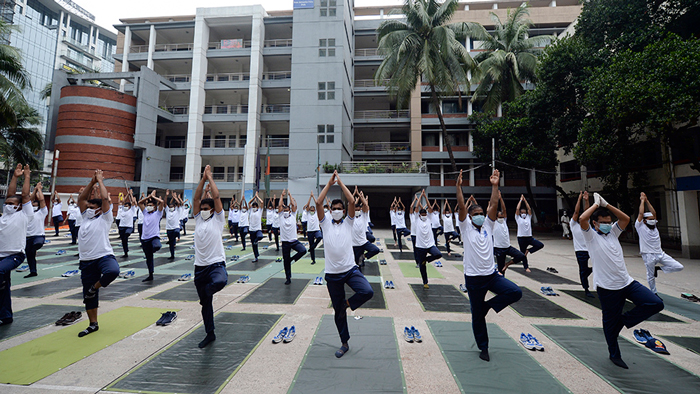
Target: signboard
[300,4]
[232,44]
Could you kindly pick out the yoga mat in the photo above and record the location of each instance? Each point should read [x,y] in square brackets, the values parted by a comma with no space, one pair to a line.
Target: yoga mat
[682,307]
[185,368]
[184,292]
[409,270]
[403,256]
[535,305]
[121,288]
[690,343]
[371,268]
[511,369]
[371,365]
[35,317]
[187,265]
[157,262]
[541,276]
[248,265]
[454,257]
[441,298]
[48,288]
[647,373]
[69,257]
[376,302]
[39,358]
[274,291]
[581,295]
[304,266]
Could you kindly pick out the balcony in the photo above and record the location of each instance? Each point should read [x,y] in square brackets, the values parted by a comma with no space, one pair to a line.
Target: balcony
[162,48]
[178,78]
[271,112]
[381,173]
[371,83]
[228,77]
[178,110]
[225,109]
[367,52]
[84,48]
[84,61]
[177,177]
[381,148]
[382,116]
[275,142]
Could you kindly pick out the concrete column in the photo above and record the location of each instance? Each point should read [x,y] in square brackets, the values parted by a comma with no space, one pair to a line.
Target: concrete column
[416,138]
[92,31]
[442,175]
[254,100]
[533,178]
[472,177]
[125,52]
[195,127]
[440,141]
[690,223]
[151,47]
[553,3]
[59,31]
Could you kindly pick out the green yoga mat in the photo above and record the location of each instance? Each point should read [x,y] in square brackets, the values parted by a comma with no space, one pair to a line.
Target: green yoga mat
[511,369]
[682,307]
[184,292]
[535,305]
[247,265]
[541,276]
[409,270]
[274,291]
[39,358]
[690,343]
[122,288]
[48,288]
[581,295]
[372,365]
[35,317]
[185,368]
[376,302]
[647,373]
[441,298]
[304,266]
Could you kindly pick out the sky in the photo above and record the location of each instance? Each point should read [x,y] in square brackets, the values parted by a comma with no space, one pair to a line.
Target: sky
[108,13]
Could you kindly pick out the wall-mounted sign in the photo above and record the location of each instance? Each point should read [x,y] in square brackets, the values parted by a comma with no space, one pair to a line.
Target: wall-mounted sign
[232,44]
[299,4]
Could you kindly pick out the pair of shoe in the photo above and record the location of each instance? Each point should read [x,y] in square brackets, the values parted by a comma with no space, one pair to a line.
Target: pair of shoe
[644,337]
[191,247]
[552,270]
[69,318]
[530,342]
[285,335]
[70,273]
[167,318]
[318,280]
[438,263]
[243,279]
[690,297]
[228,247]
[127,274]
[462,287]
[189,257]
[60,252]
[412,335]
[548,291]
[235,257]
[47,241]
[278,260]
[389,284]
[382,262]
[185,277]
[23,268]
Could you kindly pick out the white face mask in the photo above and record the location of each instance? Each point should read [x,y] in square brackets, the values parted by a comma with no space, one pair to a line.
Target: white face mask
[312,212]
[235,210]
[205,214]
[337,214]
[287,215]
[150,208]
[325,210]
[501,220]
[400,212]
[424,218]
[358,214]
[35,209]
[172,209]
[652,222]
[9,209]
[523,215]
[255,209]
[244,210]
[126,209]
[447,215]
[91,213]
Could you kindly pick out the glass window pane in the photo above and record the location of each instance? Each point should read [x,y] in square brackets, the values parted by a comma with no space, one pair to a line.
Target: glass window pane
[331,85]
[332,3]
[330,139]
[322,53]
[323,11]
[322,42]
[331,42]
[321,86]
[331,95]
[330,128]
[331,12]
[321,95]
[320,128]
[331,51]
[321,139]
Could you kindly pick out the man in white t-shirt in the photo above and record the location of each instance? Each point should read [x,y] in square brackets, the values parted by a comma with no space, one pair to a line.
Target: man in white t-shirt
[172,221]
[210,274]
[501,240]
[152,208]
[288,232]
[98,266]
[480,273]
[361,246]
[126,214]
[425,249]
[448,225]
[74,218]
[313,229]
[564,220]
[434,218]
[234,216]
[16,214]
[36,235]
[269,214]
[304,221]
[243,221]
[613,283]
[340,265]
[400,220]
[523,218]
[392,219]
[184,215]
[580,248]
[255,224]
[275,224]
[139,217]
[650,244]
[56,214]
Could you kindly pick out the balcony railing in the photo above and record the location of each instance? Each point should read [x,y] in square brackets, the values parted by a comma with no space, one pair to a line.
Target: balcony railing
[277,75]
[279,176]
[228,77]
[178,110]
[276,108]
[225,109]
[76,43]
[382,147]
[370,83]
[379,167]
[276,142]
[177,177]
[83,60]
[234,178]
[162,48]
[177,77]
[176,144]
[381,114]
[282,42]
[367,52]
[217,45]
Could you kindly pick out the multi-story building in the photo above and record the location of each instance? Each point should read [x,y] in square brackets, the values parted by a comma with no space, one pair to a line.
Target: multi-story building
[241,82]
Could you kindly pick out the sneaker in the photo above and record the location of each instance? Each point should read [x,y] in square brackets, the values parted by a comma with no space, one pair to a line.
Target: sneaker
[162,317]
[60,252]
[246,278]
[183,277]
[535,342]
[526,342]
[462,287]
[48,241]
[320,280]
[69,273]
[59,322]
[23,268]
[657,346]
[391,284]
[72,318]
[168,318]
[280,337]
[640,337]
[290,335]
[189,257]
[408,335]
[426,287]
[130,274]
[416,335]
[690,297]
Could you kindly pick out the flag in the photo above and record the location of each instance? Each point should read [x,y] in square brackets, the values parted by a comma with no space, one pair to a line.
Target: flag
[267,172]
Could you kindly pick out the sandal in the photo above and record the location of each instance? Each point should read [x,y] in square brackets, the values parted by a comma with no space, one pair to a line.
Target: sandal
[340,352]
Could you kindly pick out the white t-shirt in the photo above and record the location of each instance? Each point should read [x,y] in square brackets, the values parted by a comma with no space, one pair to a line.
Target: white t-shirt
[151,224]
[73,213]
[447,223]
[649,240]
[413,218]
[609,269]
[304,216]
[126,217]
[275,220]
[434,218]
[56,210]
[312,223]
[400,220]
[269,213]
[501,235]
[234,215]
[35,228]
[184,213]
[577,235]
[424,231]
[288,227]
[524,225]
[208,245]
[565,219]
[359,229]
[93,237]
[139,217]
[478,248]
[13,230]
[244,219]
[337,240]
[392,217]
[255,220]
[172,218]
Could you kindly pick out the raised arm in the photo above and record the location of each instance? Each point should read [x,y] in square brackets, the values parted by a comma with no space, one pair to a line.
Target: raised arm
[244,203]
[461,206]
[403,207]
[218,205]
[26,186]
[348,196]
[12,187]
[529,211]
[503,204]
[365,204]
[56,196]
[651,207]
[103,191]
[161,202]
[85,195]
[520,203]
[197,199]
[414,203]
[280,207]
[446,207]
[39,194]
[306,207]
[495,179]
[320,213]
[574,217]
[292,203]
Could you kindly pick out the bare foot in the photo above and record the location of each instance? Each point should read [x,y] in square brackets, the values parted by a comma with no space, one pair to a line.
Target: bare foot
[449,253]
[505,267]
[527,270]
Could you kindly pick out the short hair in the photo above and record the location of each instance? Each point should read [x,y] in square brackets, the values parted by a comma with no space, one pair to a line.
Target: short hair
[207,201]
[95,201]
[338,201]
[473,207]
[15,197]
[422,211]
[285,206]
[523,209]
[254,204]
[601,212]
[151,200]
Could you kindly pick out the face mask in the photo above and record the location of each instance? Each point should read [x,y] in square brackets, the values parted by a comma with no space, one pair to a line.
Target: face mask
[150,208]
[478,220]
[35,209]
[286,215]
[523,215]
[337,214]
[126,209]
[358,214]
[312,212]
[604,227]
[501,220]
[400,212]
[9,209]
[325,210]
[424,218]
[652,222]
[91,213]
[172,209]
[244,210]
[235,210]
[205,214]
[255,209]
[447,215]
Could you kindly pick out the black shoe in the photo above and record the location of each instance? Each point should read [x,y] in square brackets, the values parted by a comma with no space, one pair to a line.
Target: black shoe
[484,355]
[288,281]
[171,258]
[619,363]
[91,293]
[589,294]
[313,262]
[207,340]
[125,256]
[7,320]
[169,318]
[91,328]
[656,271]
[60,321]
[31,275]
[148,279]
[71,318]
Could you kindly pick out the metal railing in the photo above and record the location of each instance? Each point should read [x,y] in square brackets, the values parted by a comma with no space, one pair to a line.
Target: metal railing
[276,142]
[234,177]
[84,60]
[280,42]
[277,75]
[279,176]
[176,144]
[228,77]
[162,48]
[177,77]
[367,52]
[371,83]
[83,47]
[217,45]
[382,114]
[275,108]
[177,110]
[382,147]
[176,177]
[225,109]
[379,167]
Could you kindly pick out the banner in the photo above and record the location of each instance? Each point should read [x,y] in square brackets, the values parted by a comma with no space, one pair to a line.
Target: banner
[300,4]
[232,44]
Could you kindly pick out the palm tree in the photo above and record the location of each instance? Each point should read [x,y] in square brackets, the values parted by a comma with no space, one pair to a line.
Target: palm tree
[13,78]
[509,58]
[426,46]
[22,142]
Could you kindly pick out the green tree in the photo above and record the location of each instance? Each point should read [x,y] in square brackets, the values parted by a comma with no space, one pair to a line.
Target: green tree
[21,142]
[426,45]
[509,58]
[13,79]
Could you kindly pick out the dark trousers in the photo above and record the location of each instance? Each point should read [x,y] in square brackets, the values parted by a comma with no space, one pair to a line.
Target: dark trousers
[209,280]
[124,233]
[506,292]
[448,237]
[117,221]
[436,232]
[366,251]
[7,264]
[315,238]
[233,229]
[57,220]
[183,227]
[73,231]
[402,232]
[269,232]
[646,304]
[105,270]
[524,242]
[255,237]
[584,271]
[336,290]
[303,227]
[173,235]
[370,237]
[422,259]
[243,231]
[287,257]
[413,242]
[276,233]
[140,227]
[33,244]
[501,254]
[150,246]
[393,231]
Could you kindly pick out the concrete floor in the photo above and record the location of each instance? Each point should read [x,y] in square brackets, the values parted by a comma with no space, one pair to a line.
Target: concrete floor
[271,368]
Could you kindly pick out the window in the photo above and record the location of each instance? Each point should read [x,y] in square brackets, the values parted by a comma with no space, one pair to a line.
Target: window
[326,47]
[206,141]
[326,90]
[218,173]
[569,171]
[220,141]
[326,134]
[328,7]
[230,174]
